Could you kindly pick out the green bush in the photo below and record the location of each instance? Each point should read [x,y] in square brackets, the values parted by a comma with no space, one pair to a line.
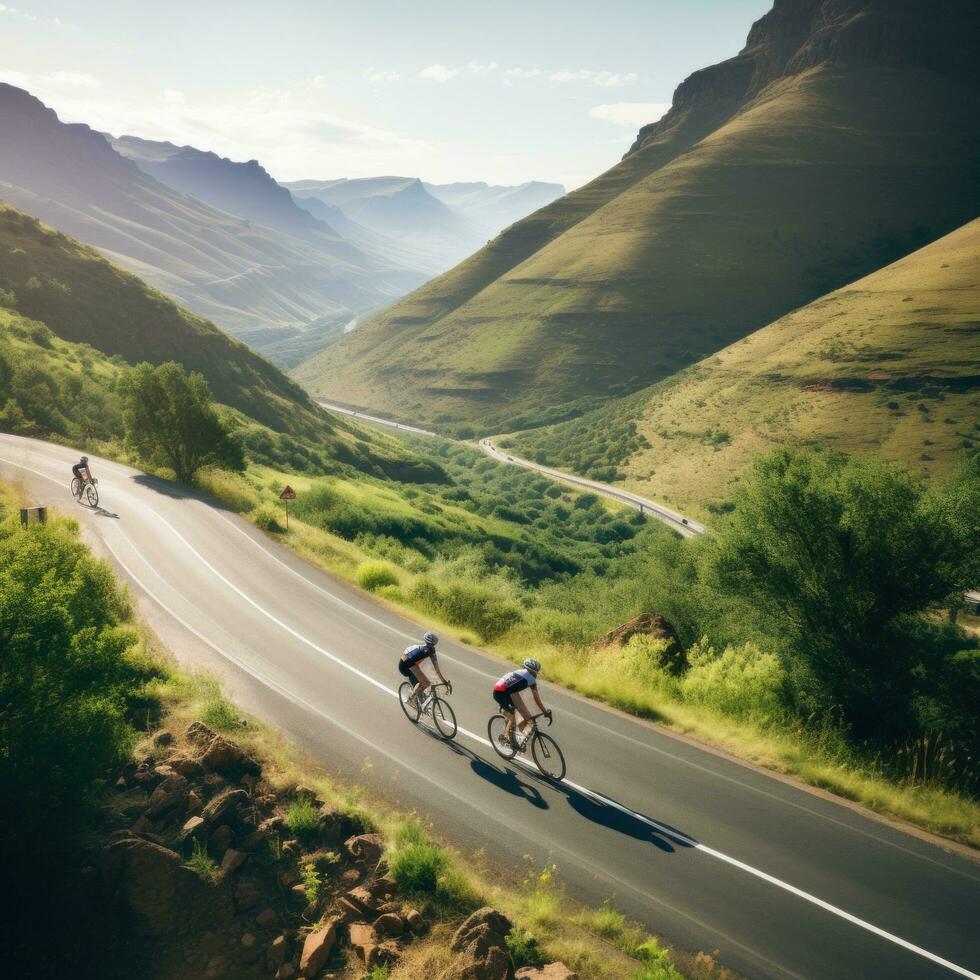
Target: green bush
[302,817]
[219,713]
[742,681]
[375,575]
[524,949]
[417,863]
[267,517]
[473,605]
[203,865]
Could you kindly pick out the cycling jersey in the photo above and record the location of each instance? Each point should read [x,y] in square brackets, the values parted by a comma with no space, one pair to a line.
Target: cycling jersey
[81,470]
[415,654]
[514,681]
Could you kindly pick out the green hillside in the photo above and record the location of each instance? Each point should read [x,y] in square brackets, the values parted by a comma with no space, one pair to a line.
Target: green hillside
[51,284]
[843,137]
[889,364]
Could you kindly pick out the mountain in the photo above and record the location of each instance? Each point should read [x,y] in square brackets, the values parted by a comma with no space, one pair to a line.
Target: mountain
[844,135]
[401,209]
[242,275]
[243,189]
[889,364]
[50,282]
[493,207]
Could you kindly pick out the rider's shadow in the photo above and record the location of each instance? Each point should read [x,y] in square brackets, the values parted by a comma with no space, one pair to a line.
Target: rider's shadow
[605,814]
[102,512]
[503,778]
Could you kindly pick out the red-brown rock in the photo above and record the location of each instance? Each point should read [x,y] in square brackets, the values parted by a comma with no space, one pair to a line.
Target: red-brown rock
[366,847]
[317,949]
[388,925]
[553,971]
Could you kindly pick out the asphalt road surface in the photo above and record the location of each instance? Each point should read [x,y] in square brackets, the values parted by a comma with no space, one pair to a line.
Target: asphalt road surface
[709,853]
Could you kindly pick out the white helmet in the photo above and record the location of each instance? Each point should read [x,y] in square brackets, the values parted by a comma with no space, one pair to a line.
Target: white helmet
[430,639]
[533,665]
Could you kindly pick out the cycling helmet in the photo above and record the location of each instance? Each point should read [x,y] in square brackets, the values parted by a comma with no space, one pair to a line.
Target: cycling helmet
[85,459]
[430,639]
[533,665]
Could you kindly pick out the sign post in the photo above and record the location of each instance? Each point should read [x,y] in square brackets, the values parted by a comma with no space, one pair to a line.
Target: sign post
[33,515]
[288,493]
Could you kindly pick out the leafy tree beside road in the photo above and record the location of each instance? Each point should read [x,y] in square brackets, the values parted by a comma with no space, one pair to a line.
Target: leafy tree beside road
[171,421]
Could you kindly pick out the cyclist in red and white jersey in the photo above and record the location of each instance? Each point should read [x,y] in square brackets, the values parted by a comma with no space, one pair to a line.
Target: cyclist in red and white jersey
[513,683]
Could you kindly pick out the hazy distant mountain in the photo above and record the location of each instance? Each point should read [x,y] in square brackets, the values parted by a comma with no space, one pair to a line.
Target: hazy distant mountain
[494,207]
[843,136]
[244,276]
[439,223]
[242,189]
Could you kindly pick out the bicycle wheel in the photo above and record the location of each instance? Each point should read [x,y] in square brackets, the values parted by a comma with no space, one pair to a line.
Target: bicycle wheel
[444,718]
[411,708]
[495,731]
[547,756]
[76,486]
[92,495]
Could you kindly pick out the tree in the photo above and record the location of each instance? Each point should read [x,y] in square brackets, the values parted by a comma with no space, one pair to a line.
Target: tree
[837,556]
[171,421]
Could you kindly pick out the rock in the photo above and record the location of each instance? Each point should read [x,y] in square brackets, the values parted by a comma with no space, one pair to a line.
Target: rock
[152,882]
[317,949]
[349,912]
[361,934]
[277,952]
[298,892]
[351,876]
[272,824]
[414,921]
[191,828]
[194,803]
[495,964]
[485,924]
[121,782]
[223,805]
[366,847]
[265,918]
[224,756]
[247,894]
[163,770]
[286,972]
[553,971]
[222,836]
[169,795]
[142,826]
[197,731]
[162,737]
[363,899]
[647,624]
[186,766]
[253,841]
[248,939]
[387,925]
[232,861]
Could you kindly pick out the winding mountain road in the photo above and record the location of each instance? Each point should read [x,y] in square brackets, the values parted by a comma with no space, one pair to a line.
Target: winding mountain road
[708,852]
[683,525]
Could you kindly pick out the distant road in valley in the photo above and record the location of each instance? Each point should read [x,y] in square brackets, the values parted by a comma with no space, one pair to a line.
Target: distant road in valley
[683,525]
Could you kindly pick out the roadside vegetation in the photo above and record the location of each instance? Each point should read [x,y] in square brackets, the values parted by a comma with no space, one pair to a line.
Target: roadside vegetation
[83,686]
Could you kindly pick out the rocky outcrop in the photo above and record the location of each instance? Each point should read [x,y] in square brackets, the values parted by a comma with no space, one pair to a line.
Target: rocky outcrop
[481,948]
[655,626]
[552,971]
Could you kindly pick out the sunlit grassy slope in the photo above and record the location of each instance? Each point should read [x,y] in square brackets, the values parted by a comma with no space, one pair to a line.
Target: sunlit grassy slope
[889,364]
[48,277]
[749,200]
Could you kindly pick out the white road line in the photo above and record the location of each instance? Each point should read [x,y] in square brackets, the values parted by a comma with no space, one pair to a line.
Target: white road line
[660,828]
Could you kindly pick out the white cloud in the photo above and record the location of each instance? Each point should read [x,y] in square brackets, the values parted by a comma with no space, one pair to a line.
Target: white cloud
[18,78]
[27,15]
[172,96]
[604,79]
[525,72]
[438,73]
[631,114]
[74,79]
[381,76]
[482,69]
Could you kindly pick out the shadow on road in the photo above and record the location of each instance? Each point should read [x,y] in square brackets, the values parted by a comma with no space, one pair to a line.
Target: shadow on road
[503,777]
[177,491]
[102,512]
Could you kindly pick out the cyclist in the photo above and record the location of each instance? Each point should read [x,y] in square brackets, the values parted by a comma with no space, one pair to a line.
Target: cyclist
[512,683]
[81,471]
[410,665]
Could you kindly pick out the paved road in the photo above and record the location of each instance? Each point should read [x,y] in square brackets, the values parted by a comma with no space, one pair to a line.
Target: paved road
[709,853]
[684,525]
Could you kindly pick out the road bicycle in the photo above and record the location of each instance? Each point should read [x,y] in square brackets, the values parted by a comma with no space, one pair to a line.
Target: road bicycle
[88,490]
[431,705]
[547,755]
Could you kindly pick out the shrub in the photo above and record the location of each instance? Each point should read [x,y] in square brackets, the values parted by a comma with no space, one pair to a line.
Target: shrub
[416,862]
[742,681]
[302,817]
[375,575]
[267,518]
[524,949]
[474,605]
[219,713]
[203,865]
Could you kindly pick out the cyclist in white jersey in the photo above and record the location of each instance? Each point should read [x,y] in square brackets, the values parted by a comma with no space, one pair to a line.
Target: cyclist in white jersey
[513,683]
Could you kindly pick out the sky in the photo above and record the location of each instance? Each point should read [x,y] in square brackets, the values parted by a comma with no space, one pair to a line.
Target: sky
[498,90]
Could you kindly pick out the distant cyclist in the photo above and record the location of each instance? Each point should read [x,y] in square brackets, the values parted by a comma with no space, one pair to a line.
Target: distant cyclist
[83,474]
[410,665]
[513,683]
